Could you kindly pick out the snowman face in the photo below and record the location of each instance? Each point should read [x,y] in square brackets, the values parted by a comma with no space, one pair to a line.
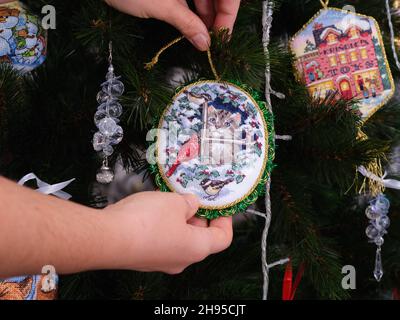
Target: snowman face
[8,22]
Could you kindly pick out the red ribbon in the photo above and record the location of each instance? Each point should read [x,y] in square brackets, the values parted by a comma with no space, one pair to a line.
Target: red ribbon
[289,289]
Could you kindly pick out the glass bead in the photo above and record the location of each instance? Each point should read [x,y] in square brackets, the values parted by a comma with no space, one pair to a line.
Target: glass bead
[379,241]
[105,175]
[108,150]
[117,136]
[108,126]
[114,88]
[381,203]
[371,213]
[372,232]
[383,222]
[113,108]
[99,115]
[103,97]
[99,141]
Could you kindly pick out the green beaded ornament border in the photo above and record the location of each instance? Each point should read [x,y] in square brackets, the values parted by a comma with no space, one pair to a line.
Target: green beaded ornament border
[260,187]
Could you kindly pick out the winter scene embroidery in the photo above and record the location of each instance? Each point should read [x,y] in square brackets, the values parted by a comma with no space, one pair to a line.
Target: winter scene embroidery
[216,143]
[342,52]
[22,39]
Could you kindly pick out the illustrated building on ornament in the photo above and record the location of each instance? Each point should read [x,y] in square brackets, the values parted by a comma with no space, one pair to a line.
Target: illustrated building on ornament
[343,60]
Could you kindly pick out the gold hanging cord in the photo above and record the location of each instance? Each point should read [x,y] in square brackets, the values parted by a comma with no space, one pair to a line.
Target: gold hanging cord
[375,167]
[324,3]
[150,65]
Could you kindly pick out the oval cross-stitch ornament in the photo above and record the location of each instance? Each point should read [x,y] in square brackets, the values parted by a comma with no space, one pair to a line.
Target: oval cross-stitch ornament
[216,141]
[342,52]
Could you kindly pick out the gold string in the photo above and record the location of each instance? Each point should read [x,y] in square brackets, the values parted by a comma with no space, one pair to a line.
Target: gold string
[374,187]
[150,65]
[361,135]
[213,69]
[375,167]
[324,3]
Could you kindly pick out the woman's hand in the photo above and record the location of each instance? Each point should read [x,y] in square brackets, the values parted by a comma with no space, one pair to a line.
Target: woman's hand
[150,231]
[157,231]
[211,14]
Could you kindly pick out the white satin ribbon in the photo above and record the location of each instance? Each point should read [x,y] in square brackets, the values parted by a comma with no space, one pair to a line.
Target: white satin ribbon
[388,183]
[43,187]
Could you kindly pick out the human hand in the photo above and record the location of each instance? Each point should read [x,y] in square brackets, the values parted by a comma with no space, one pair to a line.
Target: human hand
[211,14]
[155,231]
[150,231]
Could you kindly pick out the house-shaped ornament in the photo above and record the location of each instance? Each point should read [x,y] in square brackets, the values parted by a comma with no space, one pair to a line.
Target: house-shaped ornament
[343,52]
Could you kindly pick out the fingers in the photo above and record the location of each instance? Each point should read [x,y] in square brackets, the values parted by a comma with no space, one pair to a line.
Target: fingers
[216,238]
[221,234]
[168,203]
[192,205]
[198,222]
[226,13]
[188,23]
[205,9]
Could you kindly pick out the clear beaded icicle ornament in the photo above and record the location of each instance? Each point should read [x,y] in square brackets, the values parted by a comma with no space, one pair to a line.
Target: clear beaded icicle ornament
[378,209]
[377,213]
[106,119]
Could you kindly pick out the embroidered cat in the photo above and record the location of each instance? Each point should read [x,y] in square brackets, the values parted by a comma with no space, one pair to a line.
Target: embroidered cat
[223,120]
[223,131]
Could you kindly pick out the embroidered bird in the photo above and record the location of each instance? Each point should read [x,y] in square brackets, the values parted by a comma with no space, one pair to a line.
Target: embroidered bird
[198,99]
[187,152]
[213,187]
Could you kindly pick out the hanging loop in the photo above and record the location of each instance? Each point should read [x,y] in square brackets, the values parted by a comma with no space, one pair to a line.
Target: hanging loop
[212,66]
[150,65]
[324,3]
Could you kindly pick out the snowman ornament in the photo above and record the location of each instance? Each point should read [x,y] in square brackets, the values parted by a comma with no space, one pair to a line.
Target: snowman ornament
[23,41]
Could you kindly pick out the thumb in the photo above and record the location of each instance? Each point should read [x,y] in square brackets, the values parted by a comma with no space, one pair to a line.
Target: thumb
[192,205]
[189,24]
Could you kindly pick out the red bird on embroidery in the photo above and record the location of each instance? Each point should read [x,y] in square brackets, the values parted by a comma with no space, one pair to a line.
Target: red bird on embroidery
[188,151]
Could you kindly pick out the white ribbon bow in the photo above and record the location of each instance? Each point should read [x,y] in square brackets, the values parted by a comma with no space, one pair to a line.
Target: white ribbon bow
[43,187]
[388,183]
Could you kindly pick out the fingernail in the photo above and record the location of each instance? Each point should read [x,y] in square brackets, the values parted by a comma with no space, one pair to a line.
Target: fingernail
[200,41]
[192,201]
